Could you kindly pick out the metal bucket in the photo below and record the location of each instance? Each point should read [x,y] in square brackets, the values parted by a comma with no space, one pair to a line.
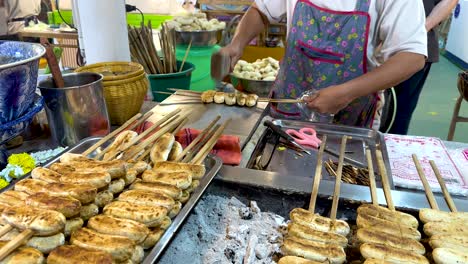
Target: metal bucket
[78,110]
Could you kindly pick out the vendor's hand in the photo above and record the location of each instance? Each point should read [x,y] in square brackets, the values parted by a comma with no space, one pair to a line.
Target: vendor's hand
[329,100]
[234,52]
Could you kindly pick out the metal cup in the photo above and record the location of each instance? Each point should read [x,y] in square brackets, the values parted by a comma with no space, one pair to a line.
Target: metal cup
[76,111]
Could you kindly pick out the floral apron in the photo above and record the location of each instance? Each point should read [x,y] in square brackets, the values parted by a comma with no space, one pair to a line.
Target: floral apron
[325,48]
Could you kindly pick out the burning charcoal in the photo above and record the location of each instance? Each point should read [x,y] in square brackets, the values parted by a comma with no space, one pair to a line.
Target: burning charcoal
[245,213]
[274,239]
[230,254]
[262,251]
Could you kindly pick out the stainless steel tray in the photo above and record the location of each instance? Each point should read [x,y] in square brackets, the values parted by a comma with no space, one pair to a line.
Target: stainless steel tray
[213,165]
[288,162]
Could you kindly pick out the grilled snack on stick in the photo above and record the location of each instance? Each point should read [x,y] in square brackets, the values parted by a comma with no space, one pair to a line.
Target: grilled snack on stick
[72,225]
[12,198]
[88,211]
[23,255]
[387,227]
[175,151]
[44,244]
[110,225]
[116,186]
[449,256]
[66,205]
[430,215]
[120,143]
[317,222]
[120,248]
[158,187]
[72,254]
[434,228]
[151,216]
[198,171]
[305,232]
[296,260]
[313,250]
[96,179]
[147,198]
[375,236]
[103,198]
[449,240]
[180,179]
[153,237]
[43,222]
[387,214]
[391,254]
[162,148]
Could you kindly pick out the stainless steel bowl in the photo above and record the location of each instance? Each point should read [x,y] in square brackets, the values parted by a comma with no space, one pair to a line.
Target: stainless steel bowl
[199,38]
[260,88]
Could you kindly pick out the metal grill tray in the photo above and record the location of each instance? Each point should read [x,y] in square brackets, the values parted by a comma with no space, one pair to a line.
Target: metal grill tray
[212,164]
[287,162]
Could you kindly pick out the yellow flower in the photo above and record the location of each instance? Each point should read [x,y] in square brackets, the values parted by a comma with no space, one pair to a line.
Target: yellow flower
[355,35]
[339,73]
[324,18]
[324,77]
[312,21]
[337,25]
[299,23]
[337,65]
[3,183]
[24,160]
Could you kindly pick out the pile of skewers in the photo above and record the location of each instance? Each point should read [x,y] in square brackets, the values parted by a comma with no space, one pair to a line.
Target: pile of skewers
[387,235]
[237,98]
[447,231]
[313,238]
[351,174]
[143,50]
[125,203]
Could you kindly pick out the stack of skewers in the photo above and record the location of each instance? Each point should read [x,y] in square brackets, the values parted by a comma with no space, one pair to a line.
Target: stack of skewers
[313,238]
[125,203]
[143,50]
[447,231]
[387,235]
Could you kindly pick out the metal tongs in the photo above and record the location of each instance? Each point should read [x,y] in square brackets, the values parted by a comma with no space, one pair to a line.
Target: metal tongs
[277,129]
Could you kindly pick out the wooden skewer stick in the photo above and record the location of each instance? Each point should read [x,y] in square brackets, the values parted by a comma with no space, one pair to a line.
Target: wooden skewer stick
[372,184]
[144,134]
[182,90]
[318,175]
[336,193]
[186,55]
[200,157]
[197,139]
[384,176]
[202,143]
[284,101]
[447,196]
[5,229]
[111,135]
[427,187]
[141,120]
[16,242]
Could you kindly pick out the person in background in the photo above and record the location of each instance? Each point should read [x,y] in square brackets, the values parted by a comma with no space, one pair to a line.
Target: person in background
[408,92]
[19,14]
[3,19]
[331,49]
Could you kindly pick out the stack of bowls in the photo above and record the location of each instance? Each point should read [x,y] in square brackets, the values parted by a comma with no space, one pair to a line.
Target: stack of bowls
[19,63]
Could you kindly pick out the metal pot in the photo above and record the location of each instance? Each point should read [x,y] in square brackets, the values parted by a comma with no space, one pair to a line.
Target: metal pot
[198,38]
[260,88]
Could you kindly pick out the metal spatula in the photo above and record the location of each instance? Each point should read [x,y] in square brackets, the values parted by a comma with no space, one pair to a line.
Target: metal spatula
[220,66]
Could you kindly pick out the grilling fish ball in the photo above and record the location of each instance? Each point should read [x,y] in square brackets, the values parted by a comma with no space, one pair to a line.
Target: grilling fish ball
[72,254]
[251,100]
[208,96]
[219,98]
[230,98]
[43,222]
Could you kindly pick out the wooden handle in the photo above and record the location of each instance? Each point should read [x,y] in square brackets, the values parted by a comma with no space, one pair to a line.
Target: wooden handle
[200,157]
[427,187]
[385,183]
[5,229]
[111,135]
[372,184]
[15,243]
[318,175]
[336,193]
[447,196]
[53,64]
[197,139]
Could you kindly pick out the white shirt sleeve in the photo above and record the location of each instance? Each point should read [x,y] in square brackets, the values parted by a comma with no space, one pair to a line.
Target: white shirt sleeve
[401,27]
[272,9]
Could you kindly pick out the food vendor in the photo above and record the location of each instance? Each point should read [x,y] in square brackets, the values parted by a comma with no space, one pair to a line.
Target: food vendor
[332,48]
[18,14]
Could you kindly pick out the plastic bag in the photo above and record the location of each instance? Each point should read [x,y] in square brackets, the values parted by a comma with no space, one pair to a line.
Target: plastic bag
[307,113]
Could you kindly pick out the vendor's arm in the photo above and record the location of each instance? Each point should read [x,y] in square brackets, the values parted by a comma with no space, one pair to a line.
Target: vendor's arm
[403,50]
[251,25]
[440,12]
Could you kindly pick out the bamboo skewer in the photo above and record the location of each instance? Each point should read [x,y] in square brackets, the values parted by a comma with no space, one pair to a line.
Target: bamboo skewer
[427,187]
[318,175]
[197,139]
[443,187]
[144,134]
[186,55]
[372,184]
[202,143]
[336,193]
[15,243]
[111,135]
[200,157]
[5,229]
[384,176]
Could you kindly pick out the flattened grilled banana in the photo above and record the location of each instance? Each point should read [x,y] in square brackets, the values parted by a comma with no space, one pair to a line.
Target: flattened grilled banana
[317,222]
[72,254]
